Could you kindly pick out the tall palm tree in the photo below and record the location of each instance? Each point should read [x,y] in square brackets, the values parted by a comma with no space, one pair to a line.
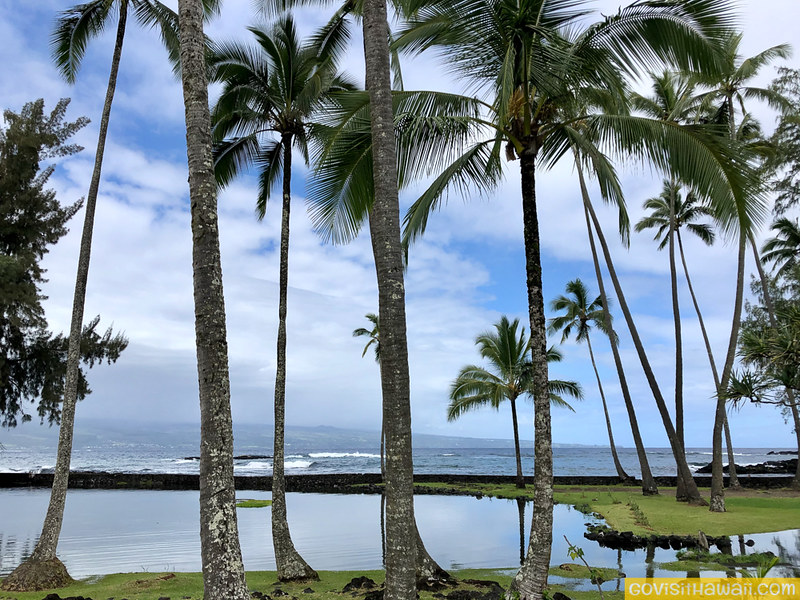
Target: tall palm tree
[384,224]
[783,250]
[223,570]
[507,351]
[270,94]
[579,316]
[674,99]
[525,58]
[730,88]
[669,212]
[75,28]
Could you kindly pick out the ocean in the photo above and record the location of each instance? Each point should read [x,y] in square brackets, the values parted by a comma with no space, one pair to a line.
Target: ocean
[102,447]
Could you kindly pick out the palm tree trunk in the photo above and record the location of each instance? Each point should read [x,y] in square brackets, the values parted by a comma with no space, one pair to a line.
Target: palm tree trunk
[384,224]
[717,490]
[649,487]
[290,565]
[623,476]
[791,398]
[680,492]
[734,480]
[43,570]
[428,570]
[517,452]
[692,492]
[531,580]
[223,570]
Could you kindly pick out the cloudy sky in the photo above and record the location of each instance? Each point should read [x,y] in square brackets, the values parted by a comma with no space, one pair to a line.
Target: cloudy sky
[465,274]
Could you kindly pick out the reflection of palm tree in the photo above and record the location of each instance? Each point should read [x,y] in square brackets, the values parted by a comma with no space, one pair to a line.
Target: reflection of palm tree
[510,377]
[579,315]
[269,97]
[74,29]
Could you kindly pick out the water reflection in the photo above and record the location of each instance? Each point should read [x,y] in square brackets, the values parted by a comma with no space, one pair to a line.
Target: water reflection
[107,531]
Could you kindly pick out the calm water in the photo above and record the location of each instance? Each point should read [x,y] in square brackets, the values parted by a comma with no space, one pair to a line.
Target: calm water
[108,531]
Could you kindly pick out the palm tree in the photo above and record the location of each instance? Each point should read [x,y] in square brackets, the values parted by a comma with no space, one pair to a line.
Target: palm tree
[783,250]
[730,88]
[669,212]
[427,568]
[674,99]
[223,570]
[579,315]
[509,378]
[524,56]
[384,224]
[269,96]
[75,27]
[374,336]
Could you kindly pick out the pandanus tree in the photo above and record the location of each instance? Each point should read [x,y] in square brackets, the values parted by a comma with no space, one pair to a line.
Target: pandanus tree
[580,315]
[75,28]
[528,58]
[507,351]
[269,97]
[729,90]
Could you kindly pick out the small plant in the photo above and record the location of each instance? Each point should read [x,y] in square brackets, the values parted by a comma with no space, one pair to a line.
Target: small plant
[765,564]
[576,553]
[638,516]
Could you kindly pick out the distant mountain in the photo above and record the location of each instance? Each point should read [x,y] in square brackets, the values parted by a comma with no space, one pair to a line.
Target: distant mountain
[248,438]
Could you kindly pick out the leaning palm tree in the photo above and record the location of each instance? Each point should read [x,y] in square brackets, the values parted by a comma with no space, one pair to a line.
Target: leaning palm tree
[783,250]
[730,88]
[507,351]
[579,316]
[270,94]
[223,570]
[75,28]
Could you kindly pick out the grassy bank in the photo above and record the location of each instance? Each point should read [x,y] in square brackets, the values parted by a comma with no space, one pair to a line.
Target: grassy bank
[189,586]
[626,509]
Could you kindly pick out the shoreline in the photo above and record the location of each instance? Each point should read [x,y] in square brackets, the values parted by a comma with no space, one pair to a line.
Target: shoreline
[337,483]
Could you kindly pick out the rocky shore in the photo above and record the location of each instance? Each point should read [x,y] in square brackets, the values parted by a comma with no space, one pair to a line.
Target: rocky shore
[337,483]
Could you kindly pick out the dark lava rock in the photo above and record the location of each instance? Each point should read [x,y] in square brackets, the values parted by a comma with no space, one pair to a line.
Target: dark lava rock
[770,467]
[279,592]
[251,457]
[786,452]
[54,596]
[308,591]
[359,583]
[374,595]
[750,543]
[560,596]
[164,598]
[258,595]
[627,540]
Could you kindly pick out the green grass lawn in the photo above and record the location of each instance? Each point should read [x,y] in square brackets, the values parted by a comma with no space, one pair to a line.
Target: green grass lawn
[189,586]
[626,509]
